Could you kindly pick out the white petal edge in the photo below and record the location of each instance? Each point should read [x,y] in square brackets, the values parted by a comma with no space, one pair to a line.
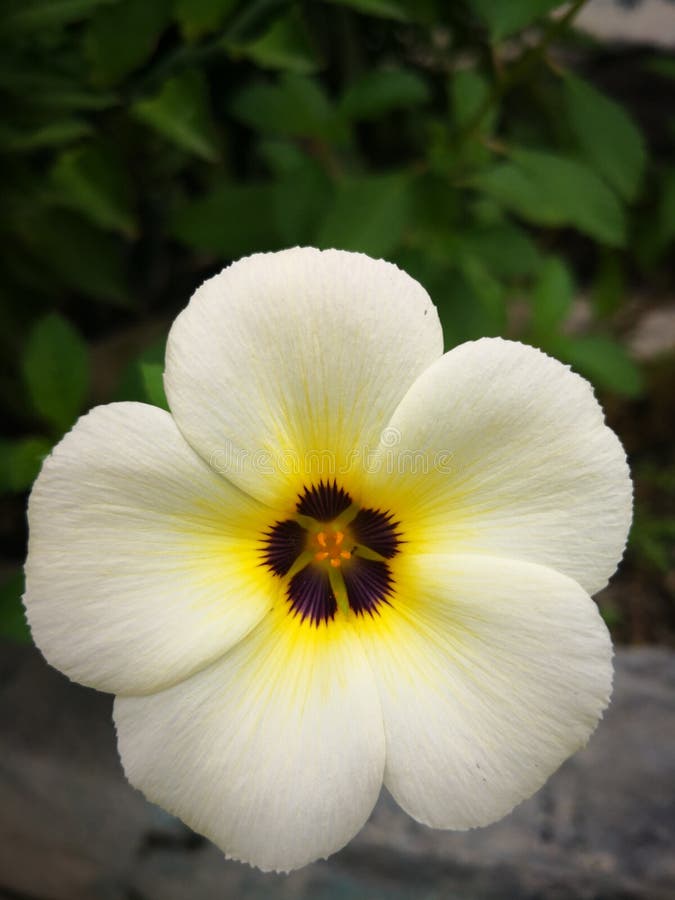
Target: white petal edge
[500,449]
[275,753]
[143,564]
[286,364]
[491,672]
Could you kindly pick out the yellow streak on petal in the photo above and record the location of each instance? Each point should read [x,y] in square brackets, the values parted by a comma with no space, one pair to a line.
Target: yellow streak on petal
[426,512]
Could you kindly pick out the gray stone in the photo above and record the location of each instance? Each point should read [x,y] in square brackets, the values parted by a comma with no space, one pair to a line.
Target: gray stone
[71,828]
[642,22]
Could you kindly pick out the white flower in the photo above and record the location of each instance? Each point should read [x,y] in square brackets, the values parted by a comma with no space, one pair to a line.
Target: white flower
[344,559]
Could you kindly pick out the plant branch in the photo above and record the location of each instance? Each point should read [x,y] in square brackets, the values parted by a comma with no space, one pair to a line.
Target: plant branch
[520,70]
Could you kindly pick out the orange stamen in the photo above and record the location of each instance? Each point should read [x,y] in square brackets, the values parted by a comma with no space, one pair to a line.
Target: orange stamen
[329,545]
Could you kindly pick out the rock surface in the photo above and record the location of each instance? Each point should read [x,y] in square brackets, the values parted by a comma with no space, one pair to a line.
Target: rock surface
[71,828]
[646,22]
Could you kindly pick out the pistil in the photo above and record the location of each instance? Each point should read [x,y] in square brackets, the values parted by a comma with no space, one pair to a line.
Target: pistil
[330,542]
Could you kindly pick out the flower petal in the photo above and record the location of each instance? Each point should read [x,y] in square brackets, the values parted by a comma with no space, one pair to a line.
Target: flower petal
[143,564]
[276,752]
[491,672]
[503,450]
[285,364]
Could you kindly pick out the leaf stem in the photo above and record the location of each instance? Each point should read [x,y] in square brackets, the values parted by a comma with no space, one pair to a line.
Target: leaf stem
[519,70]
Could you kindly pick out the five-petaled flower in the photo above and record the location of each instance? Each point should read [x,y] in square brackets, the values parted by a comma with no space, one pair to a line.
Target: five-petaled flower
[295,601]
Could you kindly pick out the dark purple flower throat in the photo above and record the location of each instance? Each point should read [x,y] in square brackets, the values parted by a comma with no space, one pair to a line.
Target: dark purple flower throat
[334,554]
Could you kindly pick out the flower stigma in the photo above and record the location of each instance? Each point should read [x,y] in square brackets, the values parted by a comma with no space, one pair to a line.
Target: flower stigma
[330,543]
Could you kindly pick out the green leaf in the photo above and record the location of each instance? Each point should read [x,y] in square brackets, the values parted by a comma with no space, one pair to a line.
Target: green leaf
[470,303]
[436,210]
[553,190]
[281,156]
[153,383]
[609,284]
[181,113]
[369,214]
[91,179]
[661,65]
[56,371]
[469,92]
[603,361]
[505,18]
[652,538]
[607,136]
[32,15]
[666,213]
[141,379]
[82,257]
[294,105]
[253,18]
[285,45]
[381,90]
[120,38]
[385,9]
[53,134]
[474,114]
[301,197]
[551,299]
[488,296]
[231,220]
[64,97]
[20,462]
[427,12]
[199,17]
[13,623]
[506,250]
[50,89]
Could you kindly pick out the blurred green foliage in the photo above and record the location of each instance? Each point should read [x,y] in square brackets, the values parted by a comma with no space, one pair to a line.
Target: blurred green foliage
[146,144]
